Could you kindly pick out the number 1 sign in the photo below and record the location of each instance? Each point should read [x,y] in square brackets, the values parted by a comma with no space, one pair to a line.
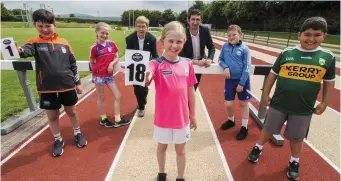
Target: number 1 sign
[136,62]
[8,48]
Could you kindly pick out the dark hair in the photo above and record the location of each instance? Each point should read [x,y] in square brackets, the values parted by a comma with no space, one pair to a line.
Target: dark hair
[43,16]
[315,23]
[194,12]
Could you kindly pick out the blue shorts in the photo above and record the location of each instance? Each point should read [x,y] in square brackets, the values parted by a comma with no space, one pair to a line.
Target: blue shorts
[102,80]
[231,90]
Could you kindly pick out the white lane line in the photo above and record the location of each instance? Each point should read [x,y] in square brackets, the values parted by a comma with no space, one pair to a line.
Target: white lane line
[120,150]
[324,157]
[215,138]
[39,132]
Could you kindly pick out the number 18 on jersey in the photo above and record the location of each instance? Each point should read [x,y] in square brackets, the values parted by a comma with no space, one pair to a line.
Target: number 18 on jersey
[136,62]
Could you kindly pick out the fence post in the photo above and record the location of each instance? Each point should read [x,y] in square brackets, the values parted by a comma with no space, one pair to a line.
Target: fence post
[25,84]
[289,39]
[262,107]
[254,36]
[267,41]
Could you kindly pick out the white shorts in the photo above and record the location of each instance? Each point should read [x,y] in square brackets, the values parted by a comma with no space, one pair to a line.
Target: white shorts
[172,136]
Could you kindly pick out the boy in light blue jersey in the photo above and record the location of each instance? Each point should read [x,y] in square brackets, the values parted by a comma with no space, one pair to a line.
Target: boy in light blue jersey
[235,59]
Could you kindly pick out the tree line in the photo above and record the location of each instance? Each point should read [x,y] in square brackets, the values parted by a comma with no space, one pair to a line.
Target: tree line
[282,16]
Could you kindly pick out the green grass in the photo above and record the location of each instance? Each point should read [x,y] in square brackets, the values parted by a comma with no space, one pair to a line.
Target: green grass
[12,95]
[330,39]
[59,25]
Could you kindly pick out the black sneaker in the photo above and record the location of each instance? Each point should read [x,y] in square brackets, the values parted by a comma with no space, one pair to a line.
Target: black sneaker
[254,155]
[161,177]
[122,122]
[57,148]
[105,122]
[80,140]
[292,171]
[242,133]
[180,179]
[227,125]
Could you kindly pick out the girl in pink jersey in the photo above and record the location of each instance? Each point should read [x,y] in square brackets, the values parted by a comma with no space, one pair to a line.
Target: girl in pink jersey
[103,59]
[174,80]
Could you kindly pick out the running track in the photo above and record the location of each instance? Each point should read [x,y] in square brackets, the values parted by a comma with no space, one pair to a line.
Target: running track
[34,162]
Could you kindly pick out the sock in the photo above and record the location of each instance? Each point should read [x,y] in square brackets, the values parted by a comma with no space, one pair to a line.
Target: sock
[76,131]
[104,117]
[244,122]
[294,159]
[58,137]
[259,146]
[231,118]
[118,117]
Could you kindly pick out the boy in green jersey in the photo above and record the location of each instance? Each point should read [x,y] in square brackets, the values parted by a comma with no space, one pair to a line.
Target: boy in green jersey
[299,72]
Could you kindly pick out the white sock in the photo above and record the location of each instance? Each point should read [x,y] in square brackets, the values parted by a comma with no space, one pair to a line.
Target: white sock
[259,146]
[118,117]
[58,137]
[294,159]
[244,122]
[76,131]
[231,118]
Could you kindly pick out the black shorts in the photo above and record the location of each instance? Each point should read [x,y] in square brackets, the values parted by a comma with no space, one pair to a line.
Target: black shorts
[53,101]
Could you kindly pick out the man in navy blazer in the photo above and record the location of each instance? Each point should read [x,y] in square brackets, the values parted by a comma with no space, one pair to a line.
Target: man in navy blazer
[197,38]
[141,39]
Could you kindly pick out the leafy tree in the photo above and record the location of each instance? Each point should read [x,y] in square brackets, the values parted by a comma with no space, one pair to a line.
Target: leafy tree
[167,16]
[182,17]
[72,16]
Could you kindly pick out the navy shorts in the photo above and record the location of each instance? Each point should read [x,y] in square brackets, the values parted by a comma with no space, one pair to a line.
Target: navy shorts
[231,90]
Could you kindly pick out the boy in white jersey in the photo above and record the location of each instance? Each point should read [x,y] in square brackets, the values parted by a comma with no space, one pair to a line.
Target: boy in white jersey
[174,100]
[299,72]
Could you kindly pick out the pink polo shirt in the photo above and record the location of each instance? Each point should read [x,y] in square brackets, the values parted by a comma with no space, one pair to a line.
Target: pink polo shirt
[104,55]
[172,83]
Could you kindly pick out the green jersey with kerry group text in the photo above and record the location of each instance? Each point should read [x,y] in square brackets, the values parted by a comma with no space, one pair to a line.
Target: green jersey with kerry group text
[300,73]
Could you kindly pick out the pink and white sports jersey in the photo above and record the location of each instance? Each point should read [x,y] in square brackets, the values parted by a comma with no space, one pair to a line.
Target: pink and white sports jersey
[104,55]
[172,83]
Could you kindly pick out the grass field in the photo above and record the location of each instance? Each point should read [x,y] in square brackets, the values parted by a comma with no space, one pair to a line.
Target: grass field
[330,39]
[12,95]
[59,25]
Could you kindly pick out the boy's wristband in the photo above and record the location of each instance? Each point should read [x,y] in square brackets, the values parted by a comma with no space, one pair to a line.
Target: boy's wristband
[78,82]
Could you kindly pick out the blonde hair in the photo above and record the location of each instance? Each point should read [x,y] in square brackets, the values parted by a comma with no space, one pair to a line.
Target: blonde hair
[142,19]
[101,25]
[234,28]
[173,27]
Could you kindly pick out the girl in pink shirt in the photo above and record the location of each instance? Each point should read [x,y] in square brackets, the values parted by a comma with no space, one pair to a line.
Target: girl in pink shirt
[103,59]
[174,80]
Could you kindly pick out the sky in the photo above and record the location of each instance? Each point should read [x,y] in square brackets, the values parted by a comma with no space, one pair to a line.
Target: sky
[101,8]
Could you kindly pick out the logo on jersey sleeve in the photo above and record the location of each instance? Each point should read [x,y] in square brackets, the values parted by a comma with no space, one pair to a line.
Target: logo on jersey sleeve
[310,73]
[63,49]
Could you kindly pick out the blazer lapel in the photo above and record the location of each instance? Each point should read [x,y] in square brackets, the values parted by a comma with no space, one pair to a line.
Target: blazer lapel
[146,42]
[202,41]
[136,42]
[189,42]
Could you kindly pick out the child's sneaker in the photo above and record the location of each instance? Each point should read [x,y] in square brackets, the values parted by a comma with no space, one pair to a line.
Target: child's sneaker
[254,155]
[161,177]
[242,133]
[123,122]
[293,172]
[180,179]
[57,149]
[80,140]
[227,125]
[105,122]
